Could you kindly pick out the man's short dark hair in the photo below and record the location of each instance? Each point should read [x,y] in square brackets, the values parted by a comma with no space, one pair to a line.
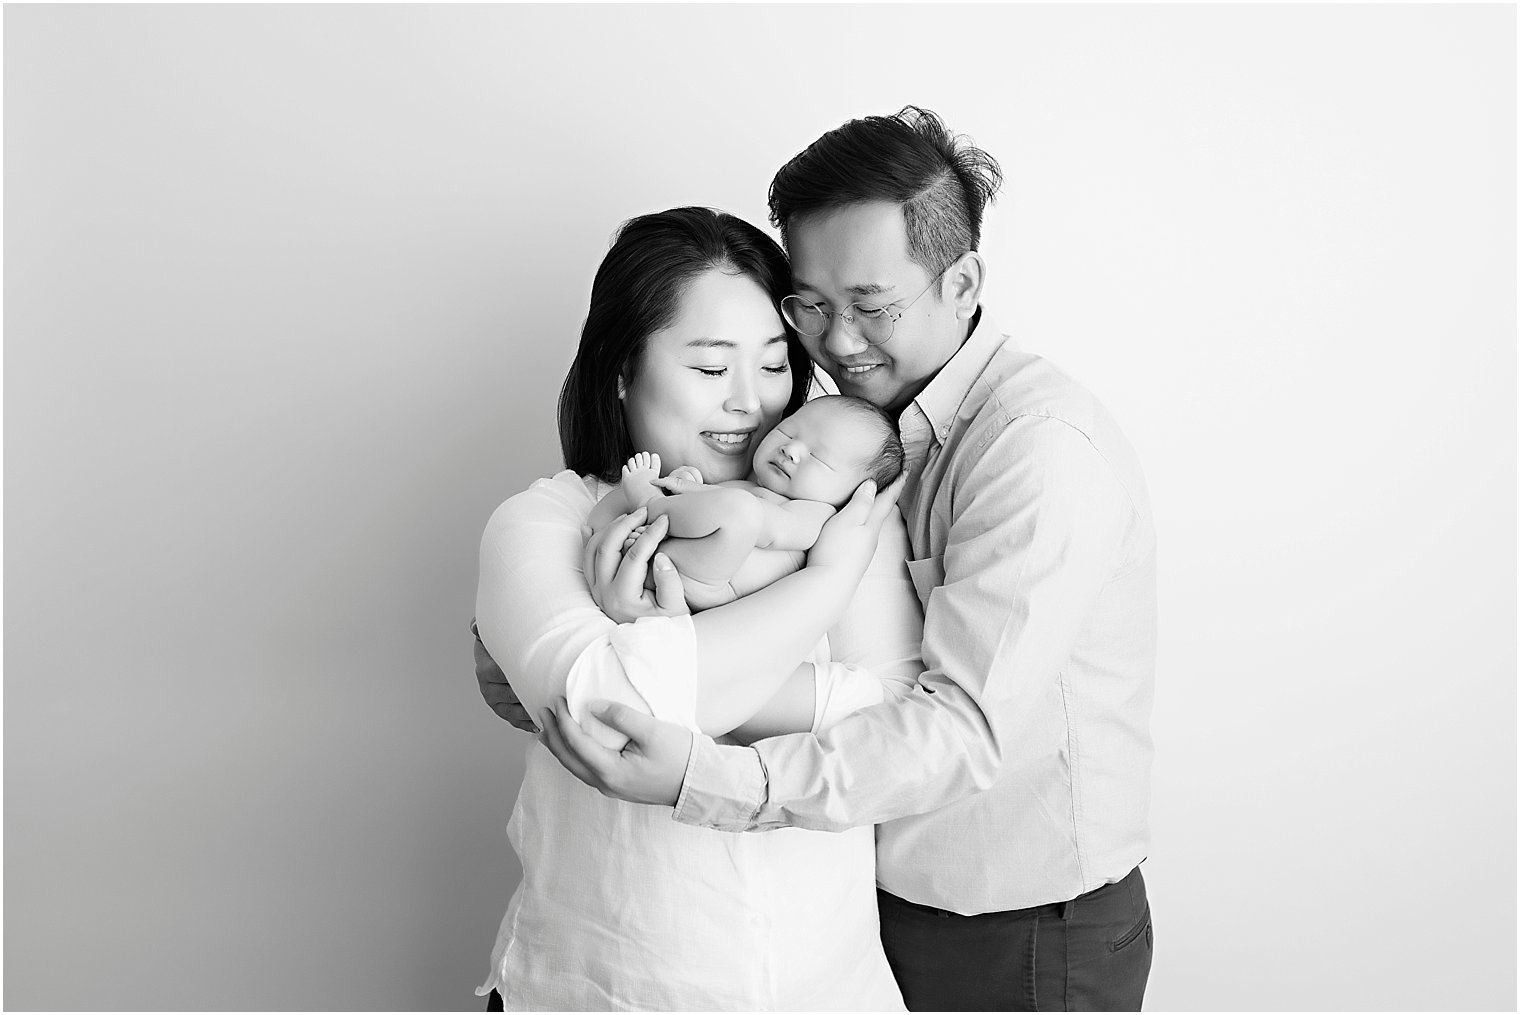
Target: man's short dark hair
[941,181]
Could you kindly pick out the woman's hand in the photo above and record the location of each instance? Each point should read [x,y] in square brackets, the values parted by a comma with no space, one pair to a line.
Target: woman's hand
[617,578]
[848,540]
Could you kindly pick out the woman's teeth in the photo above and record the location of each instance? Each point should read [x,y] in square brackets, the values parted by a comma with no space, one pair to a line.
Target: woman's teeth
[727,438]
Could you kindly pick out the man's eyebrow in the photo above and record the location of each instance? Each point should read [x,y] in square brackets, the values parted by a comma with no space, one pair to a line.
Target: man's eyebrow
[858,289]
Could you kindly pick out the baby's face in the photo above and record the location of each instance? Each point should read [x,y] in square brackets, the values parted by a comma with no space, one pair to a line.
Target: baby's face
[820,452]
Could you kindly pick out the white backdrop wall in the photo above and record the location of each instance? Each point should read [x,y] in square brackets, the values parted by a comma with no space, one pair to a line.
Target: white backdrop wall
[289,293]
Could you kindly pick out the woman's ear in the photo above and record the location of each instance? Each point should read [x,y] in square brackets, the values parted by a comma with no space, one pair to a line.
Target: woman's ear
[622,388]
[965,278]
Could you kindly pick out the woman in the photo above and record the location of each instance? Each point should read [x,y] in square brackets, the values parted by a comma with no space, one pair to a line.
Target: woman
[684,353]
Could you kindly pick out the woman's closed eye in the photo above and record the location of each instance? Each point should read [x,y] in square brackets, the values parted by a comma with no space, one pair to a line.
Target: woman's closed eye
[783,368]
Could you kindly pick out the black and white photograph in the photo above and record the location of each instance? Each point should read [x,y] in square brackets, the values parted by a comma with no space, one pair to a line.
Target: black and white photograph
[760,507]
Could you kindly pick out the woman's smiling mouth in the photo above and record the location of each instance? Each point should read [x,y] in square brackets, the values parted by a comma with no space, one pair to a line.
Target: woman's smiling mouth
[728,442]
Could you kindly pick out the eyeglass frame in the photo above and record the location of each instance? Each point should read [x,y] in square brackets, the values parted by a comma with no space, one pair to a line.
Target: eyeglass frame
[828,315]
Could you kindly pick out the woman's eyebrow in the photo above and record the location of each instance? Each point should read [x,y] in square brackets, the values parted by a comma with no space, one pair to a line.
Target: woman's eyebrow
[723,343]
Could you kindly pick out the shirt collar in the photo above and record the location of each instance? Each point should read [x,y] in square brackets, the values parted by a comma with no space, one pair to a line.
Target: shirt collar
[941,399]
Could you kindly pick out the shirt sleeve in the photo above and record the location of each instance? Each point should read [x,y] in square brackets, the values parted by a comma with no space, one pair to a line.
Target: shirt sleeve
[537,618]
[1040,524]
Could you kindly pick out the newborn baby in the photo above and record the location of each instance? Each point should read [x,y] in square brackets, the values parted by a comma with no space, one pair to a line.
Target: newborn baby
[728,540]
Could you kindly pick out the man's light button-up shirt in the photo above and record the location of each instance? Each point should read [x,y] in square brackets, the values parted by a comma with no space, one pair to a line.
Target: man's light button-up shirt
[1019,773]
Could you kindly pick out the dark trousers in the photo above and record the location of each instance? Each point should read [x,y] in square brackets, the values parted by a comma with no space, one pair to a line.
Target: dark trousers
[1090,954]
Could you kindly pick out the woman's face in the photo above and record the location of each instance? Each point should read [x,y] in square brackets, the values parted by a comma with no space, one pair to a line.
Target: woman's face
[711,385]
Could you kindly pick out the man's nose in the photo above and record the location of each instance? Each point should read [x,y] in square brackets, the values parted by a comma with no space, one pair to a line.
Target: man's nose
[841,339]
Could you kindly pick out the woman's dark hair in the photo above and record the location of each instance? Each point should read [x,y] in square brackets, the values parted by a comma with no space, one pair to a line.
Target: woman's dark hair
[637,291]
[942,181]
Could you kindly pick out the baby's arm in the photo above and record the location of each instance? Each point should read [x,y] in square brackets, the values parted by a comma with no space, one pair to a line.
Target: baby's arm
[790,524]
[712,530]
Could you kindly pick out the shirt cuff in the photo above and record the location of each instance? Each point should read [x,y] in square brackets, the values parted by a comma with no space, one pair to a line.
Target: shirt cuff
[724,786]
[659,656]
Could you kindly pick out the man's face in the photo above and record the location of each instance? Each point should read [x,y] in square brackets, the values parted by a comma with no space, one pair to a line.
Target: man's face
[859,254]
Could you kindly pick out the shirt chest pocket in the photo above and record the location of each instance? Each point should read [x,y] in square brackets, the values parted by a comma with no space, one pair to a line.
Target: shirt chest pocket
[928,574]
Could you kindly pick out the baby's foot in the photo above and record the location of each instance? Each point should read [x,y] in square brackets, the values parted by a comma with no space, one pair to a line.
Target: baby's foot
[682,479]
[638,478]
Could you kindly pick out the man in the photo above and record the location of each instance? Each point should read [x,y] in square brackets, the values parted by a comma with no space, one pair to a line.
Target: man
[1011,788]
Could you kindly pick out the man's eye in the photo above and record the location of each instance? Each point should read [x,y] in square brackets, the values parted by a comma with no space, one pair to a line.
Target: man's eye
[869,312]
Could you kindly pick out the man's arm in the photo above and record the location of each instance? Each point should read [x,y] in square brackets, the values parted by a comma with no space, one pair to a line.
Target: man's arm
[495,689]
[1041,525]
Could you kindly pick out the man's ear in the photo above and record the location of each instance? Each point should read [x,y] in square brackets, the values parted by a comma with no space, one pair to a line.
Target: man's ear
[964,280]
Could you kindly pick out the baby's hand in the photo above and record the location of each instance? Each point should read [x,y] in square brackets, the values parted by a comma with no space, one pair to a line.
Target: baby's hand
[681,480]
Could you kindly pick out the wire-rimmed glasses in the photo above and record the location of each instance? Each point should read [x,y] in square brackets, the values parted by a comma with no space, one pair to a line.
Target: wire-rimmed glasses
[873,323]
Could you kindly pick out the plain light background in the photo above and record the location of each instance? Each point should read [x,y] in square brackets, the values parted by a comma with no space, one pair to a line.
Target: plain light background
[289,294]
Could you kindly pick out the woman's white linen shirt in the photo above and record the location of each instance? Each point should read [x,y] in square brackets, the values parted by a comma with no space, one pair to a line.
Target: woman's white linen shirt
[620,907]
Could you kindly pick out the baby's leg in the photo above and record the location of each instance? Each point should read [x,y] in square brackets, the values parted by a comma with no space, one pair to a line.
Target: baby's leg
[638,479]
[702,596]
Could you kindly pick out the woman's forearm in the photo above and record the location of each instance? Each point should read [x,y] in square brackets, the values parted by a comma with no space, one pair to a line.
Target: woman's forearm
[791,710]
[749,648]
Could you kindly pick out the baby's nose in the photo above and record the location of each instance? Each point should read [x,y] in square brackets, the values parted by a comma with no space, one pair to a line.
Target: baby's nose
[792,453]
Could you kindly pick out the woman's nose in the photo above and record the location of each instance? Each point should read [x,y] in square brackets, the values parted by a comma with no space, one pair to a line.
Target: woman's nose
[743,396]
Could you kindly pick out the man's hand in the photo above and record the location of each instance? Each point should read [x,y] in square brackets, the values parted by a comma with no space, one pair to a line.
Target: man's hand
[617,579]
[648,770]
[495,689]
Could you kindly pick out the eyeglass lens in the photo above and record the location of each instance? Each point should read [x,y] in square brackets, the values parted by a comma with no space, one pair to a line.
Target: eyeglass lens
[871,323]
